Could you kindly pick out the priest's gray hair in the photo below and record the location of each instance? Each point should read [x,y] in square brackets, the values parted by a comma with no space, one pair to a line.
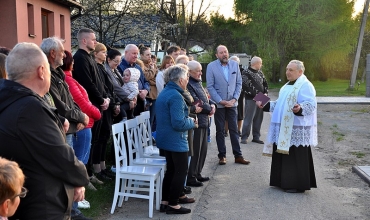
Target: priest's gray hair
[299,64]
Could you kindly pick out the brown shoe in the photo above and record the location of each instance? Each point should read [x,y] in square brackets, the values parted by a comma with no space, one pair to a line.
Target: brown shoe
[222,161]
[241,160]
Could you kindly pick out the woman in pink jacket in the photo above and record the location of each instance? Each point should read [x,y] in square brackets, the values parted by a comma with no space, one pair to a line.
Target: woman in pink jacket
[82,139]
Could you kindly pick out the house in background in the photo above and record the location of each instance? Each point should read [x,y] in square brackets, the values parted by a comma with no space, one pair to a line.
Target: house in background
[33,20]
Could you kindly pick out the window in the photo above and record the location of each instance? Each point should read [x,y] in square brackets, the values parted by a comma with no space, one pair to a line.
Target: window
[47,22]
[62,27]
[31,21]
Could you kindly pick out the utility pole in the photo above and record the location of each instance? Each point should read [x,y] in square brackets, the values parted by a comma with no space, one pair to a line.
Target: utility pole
[359,46]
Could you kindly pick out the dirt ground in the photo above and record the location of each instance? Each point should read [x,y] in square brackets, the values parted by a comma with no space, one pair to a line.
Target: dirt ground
[344,139]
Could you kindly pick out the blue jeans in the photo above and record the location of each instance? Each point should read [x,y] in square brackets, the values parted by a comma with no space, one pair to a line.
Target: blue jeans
[230,115]
[82,144]
[69,141]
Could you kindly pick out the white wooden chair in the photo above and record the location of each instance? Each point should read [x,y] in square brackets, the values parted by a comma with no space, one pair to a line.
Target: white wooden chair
[126,174]
[145,137]
[133,149]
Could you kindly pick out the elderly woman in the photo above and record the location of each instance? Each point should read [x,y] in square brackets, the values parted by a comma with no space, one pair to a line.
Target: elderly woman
[172,130]
[292,133]
[207,109]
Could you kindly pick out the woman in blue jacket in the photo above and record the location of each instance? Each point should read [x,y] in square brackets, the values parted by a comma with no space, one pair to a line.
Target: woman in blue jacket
[173,123]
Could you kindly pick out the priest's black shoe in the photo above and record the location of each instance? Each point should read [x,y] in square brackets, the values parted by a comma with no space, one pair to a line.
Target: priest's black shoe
[194,184]
[294,191]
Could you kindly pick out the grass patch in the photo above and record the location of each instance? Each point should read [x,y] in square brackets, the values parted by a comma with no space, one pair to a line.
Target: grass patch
[345,162]
[358,154]
[332,87]
[100,200]
[361,110]
[336,134]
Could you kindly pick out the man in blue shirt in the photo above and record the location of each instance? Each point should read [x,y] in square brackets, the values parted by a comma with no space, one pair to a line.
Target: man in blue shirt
[129,61]
[224,84]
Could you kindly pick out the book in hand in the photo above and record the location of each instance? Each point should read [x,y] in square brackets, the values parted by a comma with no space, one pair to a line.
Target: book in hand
[262,98]
[199,102]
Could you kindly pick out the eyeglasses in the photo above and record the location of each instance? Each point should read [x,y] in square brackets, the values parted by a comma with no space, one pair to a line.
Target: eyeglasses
[23,193]
[115,61]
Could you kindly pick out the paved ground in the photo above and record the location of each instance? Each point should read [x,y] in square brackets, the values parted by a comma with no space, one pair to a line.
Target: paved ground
[243,192]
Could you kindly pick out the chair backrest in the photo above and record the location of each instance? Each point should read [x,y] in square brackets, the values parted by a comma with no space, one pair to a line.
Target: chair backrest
[146,129]
[132,139]
[142,142]
[119,144]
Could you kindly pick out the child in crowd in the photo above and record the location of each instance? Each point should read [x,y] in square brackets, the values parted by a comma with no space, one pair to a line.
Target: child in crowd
[130,78]
[11,187]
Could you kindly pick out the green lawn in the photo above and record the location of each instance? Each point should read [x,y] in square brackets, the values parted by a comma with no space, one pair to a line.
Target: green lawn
[333,87]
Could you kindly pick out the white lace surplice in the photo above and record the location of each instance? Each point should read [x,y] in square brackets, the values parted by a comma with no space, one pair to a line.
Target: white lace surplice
[304,130]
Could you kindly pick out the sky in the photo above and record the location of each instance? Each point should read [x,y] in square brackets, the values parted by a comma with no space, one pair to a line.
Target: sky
[225,7]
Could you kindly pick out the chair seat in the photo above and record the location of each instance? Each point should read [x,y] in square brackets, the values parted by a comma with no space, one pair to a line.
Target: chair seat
[151,161]
[139,170]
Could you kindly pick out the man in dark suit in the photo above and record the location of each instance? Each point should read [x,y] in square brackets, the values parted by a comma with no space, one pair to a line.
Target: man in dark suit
[32,135]
[224,84]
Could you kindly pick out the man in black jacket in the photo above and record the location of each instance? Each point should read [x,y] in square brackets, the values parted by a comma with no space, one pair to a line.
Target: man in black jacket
[253,82]
[32,135]
[62,98]
[85,71]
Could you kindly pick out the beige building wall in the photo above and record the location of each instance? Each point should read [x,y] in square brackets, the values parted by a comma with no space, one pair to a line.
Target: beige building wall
[20,21]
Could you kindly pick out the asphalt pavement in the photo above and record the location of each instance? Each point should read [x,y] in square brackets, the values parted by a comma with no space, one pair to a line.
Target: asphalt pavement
[238,191]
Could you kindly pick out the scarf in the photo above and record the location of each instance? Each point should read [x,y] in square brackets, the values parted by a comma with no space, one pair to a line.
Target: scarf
[286,101]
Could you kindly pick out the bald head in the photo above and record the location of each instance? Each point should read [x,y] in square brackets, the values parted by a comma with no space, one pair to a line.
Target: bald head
[256,63]
[28,65]
[23,61]
[131,53]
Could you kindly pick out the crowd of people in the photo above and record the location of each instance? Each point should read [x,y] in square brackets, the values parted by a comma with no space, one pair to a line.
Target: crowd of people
[57,110]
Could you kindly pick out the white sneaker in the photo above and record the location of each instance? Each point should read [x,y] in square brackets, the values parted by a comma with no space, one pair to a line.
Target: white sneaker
[113,169]
[83,204]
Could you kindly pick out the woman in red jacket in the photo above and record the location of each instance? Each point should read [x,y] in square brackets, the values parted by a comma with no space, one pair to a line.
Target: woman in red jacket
[82,139]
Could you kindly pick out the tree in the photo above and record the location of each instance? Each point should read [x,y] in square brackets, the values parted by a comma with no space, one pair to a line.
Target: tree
[232,33]
[115,21]
[182,21]
[318,32]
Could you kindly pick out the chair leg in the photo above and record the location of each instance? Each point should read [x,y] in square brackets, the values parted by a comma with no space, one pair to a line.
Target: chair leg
[123,190]
[115,197]
[161,182]
[158,193]
[151,198]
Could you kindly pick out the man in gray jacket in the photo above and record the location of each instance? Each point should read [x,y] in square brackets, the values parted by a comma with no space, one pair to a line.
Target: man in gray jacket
[224,84]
